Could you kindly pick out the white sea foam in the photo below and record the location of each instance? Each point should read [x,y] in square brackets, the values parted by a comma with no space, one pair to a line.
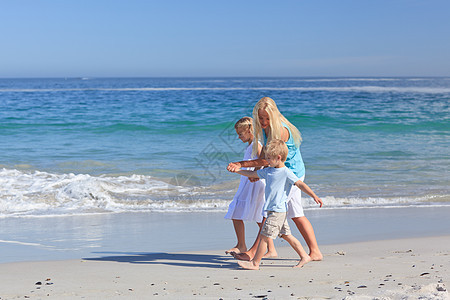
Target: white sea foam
[41,193]
[25,243]
[365,89]
[45,194]
[331,202]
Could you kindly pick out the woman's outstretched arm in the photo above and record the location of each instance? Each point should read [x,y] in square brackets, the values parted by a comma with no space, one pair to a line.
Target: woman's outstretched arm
[260,162]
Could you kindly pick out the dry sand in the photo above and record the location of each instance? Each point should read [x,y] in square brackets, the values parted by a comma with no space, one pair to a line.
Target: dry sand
[417,268]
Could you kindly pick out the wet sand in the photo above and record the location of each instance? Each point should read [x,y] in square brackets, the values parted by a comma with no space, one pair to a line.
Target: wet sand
[75,237]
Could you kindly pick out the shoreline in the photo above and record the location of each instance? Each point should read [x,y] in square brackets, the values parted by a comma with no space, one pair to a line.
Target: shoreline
[395,268]
[74,237]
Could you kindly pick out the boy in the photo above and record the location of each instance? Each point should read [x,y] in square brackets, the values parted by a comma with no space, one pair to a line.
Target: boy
[279,180]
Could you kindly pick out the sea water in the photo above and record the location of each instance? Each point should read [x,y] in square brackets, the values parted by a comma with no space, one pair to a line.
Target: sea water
[80,146]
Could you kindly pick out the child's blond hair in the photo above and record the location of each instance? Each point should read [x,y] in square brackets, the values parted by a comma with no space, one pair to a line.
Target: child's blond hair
[244,122]
[276,119]
[277,147]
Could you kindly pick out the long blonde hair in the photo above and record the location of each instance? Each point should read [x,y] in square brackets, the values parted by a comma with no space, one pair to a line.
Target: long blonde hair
[276,119]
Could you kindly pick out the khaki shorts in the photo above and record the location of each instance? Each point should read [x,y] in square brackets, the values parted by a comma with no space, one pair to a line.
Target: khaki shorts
[275,225]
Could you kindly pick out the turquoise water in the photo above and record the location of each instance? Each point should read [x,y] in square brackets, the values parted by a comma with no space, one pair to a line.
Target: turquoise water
[98,145]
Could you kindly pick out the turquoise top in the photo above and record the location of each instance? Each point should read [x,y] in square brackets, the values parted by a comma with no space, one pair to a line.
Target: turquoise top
[294,160]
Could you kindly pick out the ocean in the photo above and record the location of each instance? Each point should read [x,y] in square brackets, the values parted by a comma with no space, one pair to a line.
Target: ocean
[82,146]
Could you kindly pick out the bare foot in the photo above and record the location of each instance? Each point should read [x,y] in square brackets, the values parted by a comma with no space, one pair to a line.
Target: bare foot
[316,256]
[303,262]
[272,254]
[248,265]
[235,250]
[241,256]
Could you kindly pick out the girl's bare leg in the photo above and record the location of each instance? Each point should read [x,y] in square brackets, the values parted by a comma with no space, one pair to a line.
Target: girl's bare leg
[250,253]
[239,228]
[307,231]
[261,249]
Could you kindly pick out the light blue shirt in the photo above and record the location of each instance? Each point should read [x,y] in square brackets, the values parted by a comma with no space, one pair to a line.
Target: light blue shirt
[278,185]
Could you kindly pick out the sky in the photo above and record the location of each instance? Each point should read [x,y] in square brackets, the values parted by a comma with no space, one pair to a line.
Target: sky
[172,38]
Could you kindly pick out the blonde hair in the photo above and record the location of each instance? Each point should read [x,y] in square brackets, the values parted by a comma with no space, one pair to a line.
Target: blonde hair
[277,147]
[276,119]
[244,122]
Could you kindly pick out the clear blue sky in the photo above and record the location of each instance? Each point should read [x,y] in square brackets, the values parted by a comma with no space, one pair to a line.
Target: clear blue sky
[93,38]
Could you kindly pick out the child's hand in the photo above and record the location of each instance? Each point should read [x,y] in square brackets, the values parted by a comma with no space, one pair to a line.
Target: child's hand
[234,167]
[318,201]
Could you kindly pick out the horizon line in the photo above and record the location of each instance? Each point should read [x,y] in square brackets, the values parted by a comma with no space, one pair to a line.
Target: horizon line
[179,77]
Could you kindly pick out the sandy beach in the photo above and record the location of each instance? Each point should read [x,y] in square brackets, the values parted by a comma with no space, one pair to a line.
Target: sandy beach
[415,268]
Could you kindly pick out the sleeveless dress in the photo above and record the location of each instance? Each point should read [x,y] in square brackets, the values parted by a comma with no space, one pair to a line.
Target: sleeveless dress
[248,201]
[294,162]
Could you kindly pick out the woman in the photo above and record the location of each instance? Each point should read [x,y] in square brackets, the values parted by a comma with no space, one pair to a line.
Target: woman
[270,124]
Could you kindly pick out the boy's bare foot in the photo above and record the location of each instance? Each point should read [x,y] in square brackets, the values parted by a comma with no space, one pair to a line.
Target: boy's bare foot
[235,250]
[241,256]
[303,262]
[316,256]
[248,265]
[272,254]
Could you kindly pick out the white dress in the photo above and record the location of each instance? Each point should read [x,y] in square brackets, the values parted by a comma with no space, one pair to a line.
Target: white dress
[248,202]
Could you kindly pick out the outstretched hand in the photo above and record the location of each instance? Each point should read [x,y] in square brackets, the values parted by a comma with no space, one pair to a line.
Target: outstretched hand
[234,167]
[318,201]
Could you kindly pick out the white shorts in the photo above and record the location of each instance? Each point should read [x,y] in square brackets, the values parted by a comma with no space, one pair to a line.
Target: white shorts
[295,207]
[294,203]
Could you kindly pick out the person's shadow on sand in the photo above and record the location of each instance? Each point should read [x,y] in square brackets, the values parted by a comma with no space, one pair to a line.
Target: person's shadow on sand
[174,259]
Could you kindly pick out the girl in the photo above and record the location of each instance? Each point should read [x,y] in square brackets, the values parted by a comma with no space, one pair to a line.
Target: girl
[249,199]
[271,124]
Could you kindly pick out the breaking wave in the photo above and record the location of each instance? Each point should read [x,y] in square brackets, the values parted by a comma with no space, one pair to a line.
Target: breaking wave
[26,193]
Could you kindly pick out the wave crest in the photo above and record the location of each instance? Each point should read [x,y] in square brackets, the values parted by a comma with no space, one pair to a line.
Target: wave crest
[38,193]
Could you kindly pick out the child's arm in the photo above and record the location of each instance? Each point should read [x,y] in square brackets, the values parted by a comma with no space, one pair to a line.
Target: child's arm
[233,166]
[258,163]
[301,185]
[250,174]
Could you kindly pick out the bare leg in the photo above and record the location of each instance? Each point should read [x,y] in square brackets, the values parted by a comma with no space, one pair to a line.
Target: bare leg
[271,251]
[239,228]
[307,231]
[261,250]
[297,246]
[250,253]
